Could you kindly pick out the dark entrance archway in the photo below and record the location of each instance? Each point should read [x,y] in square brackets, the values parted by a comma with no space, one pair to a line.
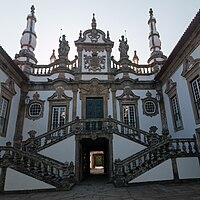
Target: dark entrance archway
[87,147]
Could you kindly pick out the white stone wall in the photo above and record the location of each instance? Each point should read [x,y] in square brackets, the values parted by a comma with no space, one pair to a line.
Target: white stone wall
[158,173]
[123,148]
[63,151]
[18,181]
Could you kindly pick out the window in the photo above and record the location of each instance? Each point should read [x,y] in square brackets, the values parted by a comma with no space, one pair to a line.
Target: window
[128,103]
[176,113]
[3,113]
[191,72]
[150,105]
[35,109]
[196,94]
[59,104]
[129,115]
[58,117]
[171,91]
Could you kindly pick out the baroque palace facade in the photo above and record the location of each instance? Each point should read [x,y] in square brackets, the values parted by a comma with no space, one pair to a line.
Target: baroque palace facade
[70,119]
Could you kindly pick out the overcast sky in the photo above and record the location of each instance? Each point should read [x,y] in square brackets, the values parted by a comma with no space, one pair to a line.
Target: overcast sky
[120,17]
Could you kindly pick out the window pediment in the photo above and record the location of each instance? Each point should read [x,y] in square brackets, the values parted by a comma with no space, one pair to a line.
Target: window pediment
[190,66]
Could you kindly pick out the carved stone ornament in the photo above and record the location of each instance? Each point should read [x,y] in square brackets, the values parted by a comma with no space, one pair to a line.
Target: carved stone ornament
[189,64]
[59,95]
[35,108]
[9,87]
[128,95]
[94,62]
[149,105]
[171,86]
[94,36]
[94,88]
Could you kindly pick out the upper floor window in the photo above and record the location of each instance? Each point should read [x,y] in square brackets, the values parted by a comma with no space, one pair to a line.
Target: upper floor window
[7,92]
[35,108]
[149,105]
[176,113]
[129,115]
[196,94]
[191,72]
[128,103]
[171,91]
[3,113]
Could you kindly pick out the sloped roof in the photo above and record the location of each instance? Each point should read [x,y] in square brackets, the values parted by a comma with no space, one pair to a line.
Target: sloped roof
[12,64]
[185,37]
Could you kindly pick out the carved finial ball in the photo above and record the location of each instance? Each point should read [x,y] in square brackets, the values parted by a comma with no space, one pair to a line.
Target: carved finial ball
[151,12]
[32,9]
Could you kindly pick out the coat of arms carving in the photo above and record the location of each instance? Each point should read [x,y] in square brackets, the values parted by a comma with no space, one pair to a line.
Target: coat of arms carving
[94,62]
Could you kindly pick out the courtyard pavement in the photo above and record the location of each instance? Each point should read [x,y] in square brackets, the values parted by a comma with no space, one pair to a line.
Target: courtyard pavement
[100,189]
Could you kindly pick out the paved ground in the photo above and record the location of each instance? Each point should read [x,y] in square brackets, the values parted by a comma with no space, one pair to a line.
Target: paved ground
[101,190]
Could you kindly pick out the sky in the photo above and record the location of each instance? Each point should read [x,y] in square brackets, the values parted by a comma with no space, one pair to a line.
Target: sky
[119,17]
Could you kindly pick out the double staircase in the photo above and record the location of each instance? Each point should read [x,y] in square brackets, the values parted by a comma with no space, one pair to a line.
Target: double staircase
[157,149]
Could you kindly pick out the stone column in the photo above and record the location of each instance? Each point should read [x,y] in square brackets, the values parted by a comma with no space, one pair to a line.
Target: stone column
[165,131]
[2,178]
[18,137]
[77,160]
[74,101]
[175,169]
[110,169]
[113,90]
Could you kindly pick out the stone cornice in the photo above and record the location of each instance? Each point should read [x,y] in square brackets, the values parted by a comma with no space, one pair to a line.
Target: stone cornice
[188,42]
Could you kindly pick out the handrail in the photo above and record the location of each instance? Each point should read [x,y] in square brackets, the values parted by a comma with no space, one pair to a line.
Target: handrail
[135,165]
[90,126]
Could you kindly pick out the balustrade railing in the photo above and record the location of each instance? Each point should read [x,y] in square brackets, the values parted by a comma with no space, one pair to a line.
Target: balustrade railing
[37,166]
[136,69]
[135,165]
[44,70]
[89,126]
[184,147]
[49,138]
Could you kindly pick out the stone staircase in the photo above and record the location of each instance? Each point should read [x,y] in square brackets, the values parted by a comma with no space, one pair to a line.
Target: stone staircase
[158,149]
[89,126]
[38,166]
[141,162]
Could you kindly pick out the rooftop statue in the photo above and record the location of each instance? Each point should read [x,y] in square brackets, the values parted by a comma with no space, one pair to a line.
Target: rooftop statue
[63,47]
[123,48]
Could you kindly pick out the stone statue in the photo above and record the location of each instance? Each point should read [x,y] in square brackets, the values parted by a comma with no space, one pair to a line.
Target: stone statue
[63,47]
[123,48]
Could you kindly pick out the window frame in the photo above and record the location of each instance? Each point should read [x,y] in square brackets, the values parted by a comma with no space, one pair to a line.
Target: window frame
[58,99]
[128,98]
[149,98]
[171,91]
[6,117]
[7,90]
[191,71]
[36,100]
